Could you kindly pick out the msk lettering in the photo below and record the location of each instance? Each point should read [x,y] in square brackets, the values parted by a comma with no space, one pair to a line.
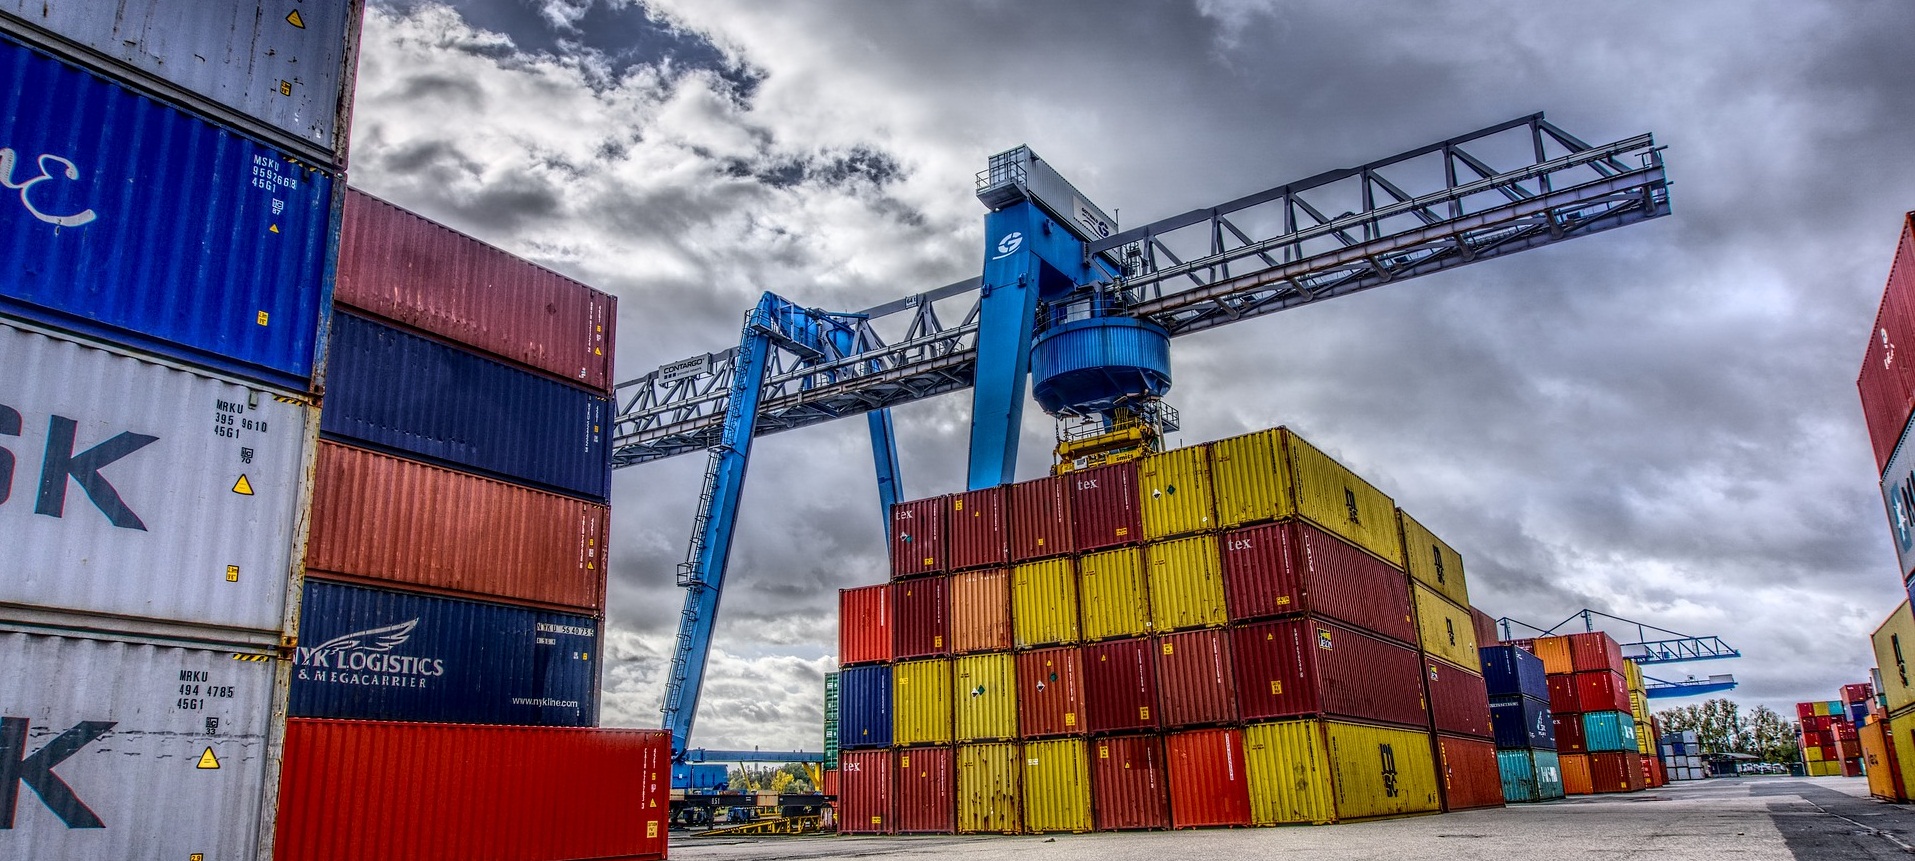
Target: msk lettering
[61,463]
[36,771]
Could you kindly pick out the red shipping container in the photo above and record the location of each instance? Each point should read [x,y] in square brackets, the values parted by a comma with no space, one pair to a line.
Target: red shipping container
[1527,644]
[1207,781]
[866,804]
[1130,782]
[917,537]
[1569,734]
[1050,692]
[1602,691]
[422,792]
[1851,768]
[1120,686]
[1194,682]
[980,611]
[1488,633]
[1562,695]
[831,782]
[1104,511]
[1288,568]
[1805,712]
[926,790]
[975,528]
[1615,772]
[379,520]
[1040,518]
[864,625]
[422,274]
[1594,651]
[920,629]
[1297,667]
[1470,775]
[1887,379]
[1458,700]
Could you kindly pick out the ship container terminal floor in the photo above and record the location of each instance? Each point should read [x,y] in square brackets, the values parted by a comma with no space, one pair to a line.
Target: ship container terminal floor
[1756,818]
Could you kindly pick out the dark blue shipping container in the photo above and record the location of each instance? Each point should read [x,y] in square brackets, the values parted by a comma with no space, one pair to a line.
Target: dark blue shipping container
[375,654]
[1519,722]
[864,707]
[700,776]
[1509,671]
[134,221]
[421,398]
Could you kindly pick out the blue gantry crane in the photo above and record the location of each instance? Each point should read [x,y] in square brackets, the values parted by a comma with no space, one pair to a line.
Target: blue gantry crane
[1079,314]
[1651,645]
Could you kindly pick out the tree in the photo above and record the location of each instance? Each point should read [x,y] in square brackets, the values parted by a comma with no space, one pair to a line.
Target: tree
[1720,727]
[1769,736]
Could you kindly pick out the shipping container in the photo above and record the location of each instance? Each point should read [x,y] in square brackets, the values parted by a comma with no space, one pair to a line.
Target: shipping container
[1044,603]
[1186,584]
[1887,380]
[1458,701]
[864,719]
[159,229]
[1605,732]
[925,790]
[1900,735]
[1471,777]
[1432,562]
[442,792]
[976,530]
[1115,602]
[1050,693]
[1313,771]
[1898,500]
[1040,518]
[985,698]
[1289,777]
[1576,776]
[376,654]
[1444,629]
[1569,734]
[1562,695]
[1103,507]
[1208,784]
[1274,474]
[917,537]
[921,705]
[404,393]
[390,521]
[1554,652]
[1130,783]
[1194,681]
[1522,722]
[1593,651]
[1894,642]
[920,605]
[1632,675]
[866,803]
[1530,775]
[1293,567]
[990,788]
[405,268]
[980,611]
[1120,686]
[1487,634]
[146,498]
[1174,492]
[1600,691]
[1295,667]
[1510,671]
[864,625]
[1615,772]
[1057,786]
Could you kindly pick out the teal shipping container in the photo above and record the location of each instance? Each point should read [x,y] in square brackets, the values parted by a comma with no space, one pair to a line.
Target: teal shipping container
[1530,775]
[1607,732]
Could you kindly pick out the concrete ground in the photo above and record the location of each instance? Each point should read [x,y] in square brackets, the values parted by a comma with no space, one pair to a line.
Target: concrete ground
[1755,818]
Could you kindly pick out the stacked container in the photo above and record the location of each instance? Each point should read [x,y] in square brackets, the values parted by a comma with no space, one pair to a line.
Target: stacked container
[1830,745]
[1525,733]
[1458,697]
[1681,754]
[1589,702]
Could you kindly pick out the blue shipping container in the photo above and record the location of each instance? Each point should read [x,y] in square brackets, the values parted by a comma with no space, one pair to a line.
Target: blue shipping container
[864,707]
[1521,722]
[701,776]
[134,221]
[1530,775]
[1608,732]
[418,397]
[1509,671]
[375,654]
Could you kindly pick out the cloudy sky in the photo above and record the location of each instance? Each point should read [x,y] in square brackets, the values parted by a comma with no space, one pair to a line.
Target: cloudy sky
[1658,422]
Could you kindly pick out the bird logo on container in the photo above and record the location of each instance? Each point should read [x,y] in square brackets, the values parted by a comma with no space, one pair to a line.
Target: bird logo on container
[364,658]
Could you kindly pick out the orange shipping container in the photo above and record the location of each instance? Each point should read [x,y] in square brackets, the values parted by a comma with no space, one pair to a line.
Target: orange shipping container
[980,611]
[1555,654]
[1576,779]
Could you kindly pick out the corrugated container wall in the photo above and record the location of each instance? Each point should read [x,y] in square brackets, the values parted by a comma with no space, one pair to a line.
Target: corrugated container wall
[921,702]
[1487,634]
[990,788]
[1887,380]
[1593,651]
[1057,786]
[1115,599]
[1894,642]
[866,804]
[402,522]
[1130,783]
[1289,777]
[1432,562]
[1444,629]
[1509,671]
[1306,666]
[1194,678]
[1186,584]
[922,608]
[1040,518]
[1554,653]
[1044,603]
[437,792]
[1282,569]
[1530,775]
[1174,492]
[1458,700]
[864,716]
[1379,771]
[1120,686]
[1519,722]
[984,691]
[1103,507]
[864,625]
[1471,777]
[980,611]
[421,274]
[172,234]
[917,537]
[925,787]
[1050,693]
[975,524]
[1208,784]
[1274,474]
[1898,502]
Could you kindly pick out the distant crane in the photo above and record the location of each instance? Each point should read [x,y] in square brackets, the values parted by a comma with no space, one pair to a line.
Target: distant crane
[1652,645]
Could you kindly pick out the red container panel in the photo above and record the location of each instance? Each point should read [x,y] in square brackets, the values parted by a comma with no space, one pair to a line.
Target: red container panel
[1602,691]
[1207,781]
[1288,568]
[1805,712]
[926,790]
[1130,782]
[379,520]
[1104,509]
[1858,693]
[1458,700]
[980,611]
[1887,380]
[1050,693]
[917,537]
[1308,666]
[866,804]
[976,529]
[1471,777]
[1569,734]
[425,275]
[459,792]
[1195,686]
[1488,633]
[1039,518]
[1120,686]
[1594,651]
[1616,772]
[921,628]
[1562,695]
[864,625]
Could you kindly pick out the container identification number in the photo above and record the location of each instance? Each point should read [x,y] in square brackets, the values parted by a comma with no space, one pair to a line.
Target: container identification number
[68,170]
[266,175]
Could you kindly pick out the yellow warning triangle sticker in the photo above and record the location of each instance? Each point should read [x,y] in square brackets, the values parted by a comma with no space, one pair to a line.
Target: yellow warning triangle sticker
[208,760]
[295,20]
[243,487]
[273,229]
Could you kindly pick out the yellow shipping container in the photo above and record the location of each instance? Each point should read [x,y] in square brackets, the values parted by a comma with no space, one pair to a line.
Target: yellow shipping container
[1274,474]
[989,786]
[1554,652]
[1444,630]
[921,702]
[1186,584]
[1639,706]
[1632,675]
[1317,771]
[1827,768]
[1431,561]
[1894,648]
[1811,753]
[1901,738]
[1056,786]
[1044,603]
[986,693]
[1250,479]
[1645,743]
[1289,781]
[1114,598]
[1175,490]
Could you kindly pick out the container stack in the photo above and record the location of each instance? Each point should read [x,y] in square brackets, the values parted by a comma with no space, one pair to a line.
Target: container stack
[1589,702]
[1830,746]
[1647,732]
[1681,754]
[1525,733]
[1887,389]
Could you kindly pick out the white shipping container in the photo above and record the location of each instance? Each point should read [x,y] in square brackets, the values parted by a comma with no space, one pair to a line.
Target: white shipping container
[132,750]
[150,498]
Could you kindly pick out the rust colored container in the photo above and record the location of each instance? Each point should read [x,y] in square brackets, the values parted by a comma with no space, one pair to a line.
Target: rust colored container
[425,275]
[1293,567]
[1194,682]
[1307,666]
[1459,702]
[1130,781]
[1576,779]
[980,611]
[1208,786]
[1104,507]
[864,625]
[1471,777]
[976,530]
[382,521]
[1050,693]
[866,804]
[1039,518]
[1601,691]
[1887,379]
[831,782]
[1595,651]
[1120,686]
[1569,734]
[1562,695]
[920,629]
[925,787]
[917,537]
[423,792]
[1615,772]
[1487,631]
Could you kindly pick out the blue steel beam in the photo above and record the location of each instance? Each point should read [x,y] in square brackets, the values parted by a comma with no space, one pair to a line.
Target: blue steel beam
[884,453]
